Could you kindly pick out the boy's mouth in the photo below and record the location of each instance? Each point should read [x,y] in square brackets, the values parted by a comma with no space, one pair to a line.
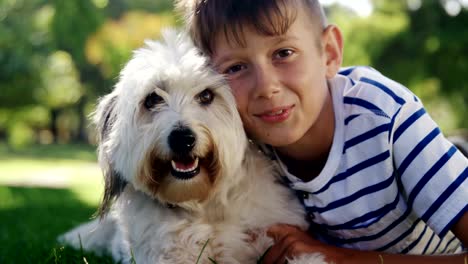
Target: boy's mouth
[275,115]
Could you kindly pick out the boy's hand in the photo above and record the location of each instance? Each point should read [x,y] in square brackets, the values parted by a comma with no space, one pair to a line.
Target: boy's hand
[291,241]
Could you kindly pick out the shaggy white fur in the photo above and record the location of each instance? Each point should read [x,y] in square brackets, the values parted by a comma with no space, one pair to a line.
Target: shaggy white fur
[179,170]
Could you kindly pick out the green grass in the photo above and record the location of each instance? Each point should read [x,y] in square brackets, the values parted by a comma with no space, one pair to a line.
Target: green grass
[45,191]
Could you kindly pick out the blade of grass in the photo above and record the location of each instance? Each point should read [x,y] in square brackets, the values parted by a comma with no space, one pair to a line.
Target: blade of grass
[132,261]
[201,252]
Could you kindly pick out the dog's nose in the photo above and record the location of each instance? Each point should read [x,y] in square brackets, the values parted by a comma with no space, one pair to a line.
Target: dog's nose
[182,140]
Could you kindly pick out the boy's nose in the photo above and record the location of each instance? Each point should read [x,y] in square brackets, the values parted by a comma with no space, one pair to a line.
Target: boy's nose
[266,82]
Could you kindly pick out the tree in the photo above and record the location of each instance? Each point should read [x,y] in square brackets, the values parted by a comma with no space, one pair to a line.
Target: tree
[23,42]
[431,55]
[422,47]
[74,22]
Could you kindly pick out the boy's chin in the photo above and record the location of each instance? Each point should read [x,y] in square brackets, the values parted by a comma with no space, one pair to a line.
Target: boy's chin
[277,139]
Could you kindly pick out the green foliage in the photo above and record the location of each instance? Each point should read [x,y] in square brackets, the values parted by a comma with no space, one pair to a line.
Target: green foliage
[21,135]
[432,49]
[22,40]
[110,47]
[74,21]
[61,82]
[423,49]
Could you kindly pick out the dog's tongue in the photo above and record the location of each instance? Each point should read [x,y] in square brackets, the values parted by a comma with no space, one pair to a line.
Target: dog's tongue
[185,165]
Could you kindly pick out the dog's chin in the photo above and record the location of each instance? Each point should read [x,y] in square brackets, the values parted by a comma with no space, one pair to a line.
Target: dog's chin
[180,179]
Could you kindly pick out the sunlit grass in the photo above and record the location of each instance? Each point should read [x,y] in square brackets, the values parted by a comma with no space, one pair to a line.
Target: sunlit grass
[56,166]
[45,191]
[77,152]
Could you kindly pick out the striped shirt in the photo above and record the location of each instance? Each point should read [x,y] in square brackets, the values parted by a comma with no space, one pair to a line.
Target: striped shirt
[392,182]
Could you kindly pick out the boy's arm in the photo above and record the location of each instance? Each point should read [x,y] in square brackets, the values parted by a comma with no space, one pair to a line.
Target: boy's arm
[460,229]
[431,171]
[291,242]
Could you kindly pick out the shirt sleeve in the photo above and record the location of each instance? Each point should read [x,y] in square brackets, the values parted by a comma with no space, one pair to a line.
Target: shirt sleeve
[431,171]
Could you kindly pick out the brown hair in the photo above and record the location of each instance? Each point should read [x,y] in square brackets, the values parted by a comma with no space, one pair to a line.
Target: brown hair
[208,18]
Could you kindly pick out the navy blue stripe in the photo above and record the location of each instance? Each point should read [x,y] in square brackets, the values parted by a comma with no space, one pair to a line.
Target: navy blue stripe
[422,182]
[444,196]
[356,168]
[347,72]
[365,136]
[428,243]
[376,215]
[405,234]
[392,123]
[384,88]
[429,174]
[341,241]
[407,123]
[448,244]
[418,187]
[438,245]
[415,152]
[414,243]
[365,104]
[455,219]
[362,192]
[349,119]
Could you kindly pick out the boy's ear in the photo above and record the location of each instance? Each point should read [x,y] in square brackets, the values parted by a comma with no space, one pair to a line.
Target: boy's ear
[332,41]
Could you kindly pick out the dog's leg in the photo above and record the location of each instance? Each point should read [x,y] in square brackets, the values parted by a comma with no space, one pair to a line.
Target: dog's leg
[312,258]
[99,236]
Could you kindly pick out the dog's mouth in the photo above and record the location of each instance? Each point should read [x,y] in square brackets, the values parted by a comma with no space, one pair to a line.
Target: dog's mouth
[185,168]
[180,178]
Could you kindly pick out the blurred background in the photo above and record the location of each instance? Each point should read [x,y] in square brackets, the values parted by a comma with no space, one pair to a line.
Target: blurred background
[58,56]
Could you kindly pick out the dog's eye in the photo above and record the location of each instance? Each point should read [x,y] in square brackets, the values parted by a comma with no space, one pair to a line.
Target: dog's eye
[206,97]
[152,100]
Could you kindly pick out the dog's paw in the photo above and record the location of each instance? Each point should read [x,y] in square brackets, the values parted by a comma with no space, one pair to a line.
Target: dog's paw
[93,235]
[313,258]
[72,239]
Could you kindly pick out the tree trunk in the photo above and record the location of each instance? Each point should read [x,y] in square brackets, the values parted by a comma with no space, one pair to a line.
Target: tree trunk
[54,113]
[82,135]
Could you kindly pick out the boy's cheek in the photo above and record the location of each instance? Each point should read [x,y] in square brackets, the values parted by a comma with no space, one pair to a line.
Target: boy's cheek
[240,94]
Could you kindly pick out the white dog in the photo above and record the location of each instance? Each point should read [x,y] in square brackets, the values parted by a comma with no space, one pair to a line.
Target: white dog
[182,180]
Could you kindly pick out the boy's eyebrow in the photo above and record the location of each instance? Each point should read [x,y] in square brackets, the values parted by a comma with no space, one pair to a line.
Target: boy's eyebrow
[217,63]
[276,40]
[284,37]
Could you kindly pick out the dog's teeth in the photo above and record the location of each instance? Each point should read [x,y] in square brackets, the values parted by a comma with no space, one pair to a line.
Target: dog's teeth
[176,167]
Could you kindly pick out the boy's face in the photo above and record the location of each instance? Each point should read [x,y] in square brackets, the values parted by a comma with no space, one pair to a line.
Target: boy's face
[279,82]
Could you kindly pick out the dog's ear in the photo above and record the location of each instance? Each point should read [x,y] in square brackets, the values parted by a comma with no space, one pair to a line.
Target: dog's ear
[104,116]
[104,119]
[113,187]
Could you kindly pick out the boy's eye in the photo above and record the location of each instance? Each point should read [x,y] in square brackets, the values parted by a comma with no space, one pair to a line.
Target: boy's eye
[206,97]
[283,53]
[234,69]
[152,100]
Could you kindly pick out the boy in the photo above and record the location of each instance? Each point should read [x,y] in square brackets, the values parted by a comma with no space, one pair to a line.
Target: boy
[379,181]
